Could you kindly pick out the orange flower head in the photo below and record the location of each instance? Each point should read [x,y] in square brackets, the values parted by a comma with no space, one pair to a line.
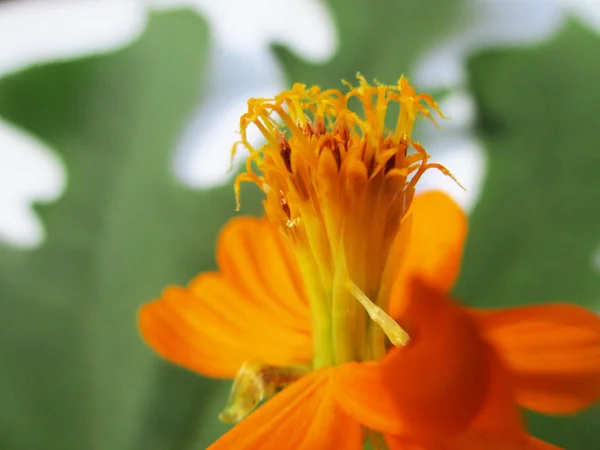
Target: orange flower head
[338,298]
[339,183]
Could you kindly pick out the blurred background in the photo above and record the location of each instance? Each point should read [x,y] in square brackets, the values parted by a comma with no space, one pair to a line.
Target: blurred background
[116,123]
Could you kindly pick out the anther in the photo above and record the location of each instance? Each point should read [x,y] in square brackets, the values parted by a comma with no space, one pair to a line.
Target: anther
[390,164]
[307,129]
[284,205]
[320,128]
[285,152]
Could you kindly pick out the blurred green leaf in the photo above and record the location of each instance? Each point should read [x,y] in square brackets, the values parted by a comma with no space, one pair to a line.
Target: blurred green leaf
[537,224]
[379,38]
[75,374]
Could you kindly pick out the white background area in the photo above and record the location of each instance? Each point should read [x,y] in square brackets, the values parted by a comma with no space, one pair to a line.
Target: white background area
[240,65]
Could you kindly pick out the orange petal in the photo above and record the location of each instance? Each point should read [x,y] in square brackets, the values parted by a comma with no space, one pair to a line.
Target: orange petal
[500,414]
[553,352]
[303,416]
[471,440]
[433,387]
[224,319]
[435,247]
[497,426]
[259,261]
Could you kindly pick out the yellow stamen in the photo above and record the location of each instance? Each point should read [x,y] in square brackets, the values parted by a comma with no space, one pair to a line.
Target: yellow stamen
[390,327]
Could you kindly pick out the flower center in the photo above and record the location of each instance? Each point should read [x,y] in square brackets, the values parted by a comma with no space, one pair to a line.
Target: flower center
[339,184]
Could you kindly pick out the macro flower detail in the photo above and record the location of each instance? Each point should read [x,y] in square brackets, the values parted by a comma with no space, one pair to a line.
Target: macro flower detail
[338,184]
[334,309]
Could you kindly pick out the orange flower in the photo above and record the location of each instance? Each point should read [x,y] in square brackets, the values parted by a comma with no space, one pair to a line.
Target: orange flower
[293,311]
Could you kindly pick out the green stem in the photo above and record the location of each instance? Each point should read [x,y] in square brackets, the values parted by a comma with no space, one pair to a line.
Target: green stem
[320,311]
[377,440]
